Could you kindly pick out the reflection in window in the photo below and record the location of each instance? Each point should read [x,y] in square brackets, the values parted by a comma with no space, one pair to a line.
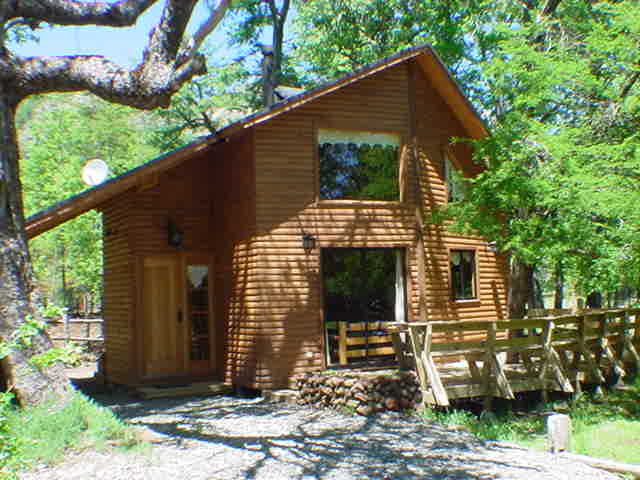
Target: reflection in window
[463,272]
[455,182]
[358,165]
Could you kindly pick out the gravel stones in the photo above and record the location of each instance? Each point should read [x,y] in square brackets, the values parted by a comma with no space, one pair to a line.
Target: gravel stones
[231,438]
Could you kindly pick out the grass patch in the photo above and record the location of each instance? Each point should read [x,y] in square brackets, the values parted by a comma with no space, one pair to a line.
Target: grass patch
[43,433]
[603,426]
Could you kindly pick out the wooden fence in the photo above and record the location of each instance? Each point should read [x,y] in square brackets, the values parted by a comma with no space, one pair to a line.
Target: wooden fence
[87,331]
[468,359]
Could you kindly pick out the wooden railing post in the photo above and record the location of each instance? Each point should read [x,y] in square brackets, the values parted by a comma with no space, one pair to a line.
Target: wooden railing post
[628,342]
[399,345]
[342,342]
[487,379]
[494,378]
[427,372]
[67,330]
[605,347]
[592,366]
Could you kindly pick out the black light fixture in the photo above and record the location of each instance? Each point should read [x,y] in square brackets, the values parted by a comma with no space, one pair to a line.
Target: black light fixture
[174,235]
[308,242]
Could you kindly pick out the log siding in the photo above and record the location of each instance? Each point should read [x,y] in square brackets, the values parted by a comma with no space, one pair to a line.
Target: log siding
[288,313]
[119,291]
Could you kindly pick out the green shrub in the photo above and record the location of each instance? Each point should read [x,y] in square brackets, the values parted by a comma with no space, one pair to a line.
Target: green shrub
[603,426]
[43,433]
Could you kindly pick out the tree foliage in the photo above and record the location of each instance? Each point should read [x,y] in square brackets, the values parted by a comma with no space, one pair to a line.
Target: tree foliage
[171,58]
[334,38]
[68,131]
[562,163]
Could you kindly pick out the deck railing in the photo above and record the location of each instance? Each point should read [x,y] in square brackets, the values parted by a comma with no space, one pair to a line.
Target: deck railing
[364,341]
[553,353]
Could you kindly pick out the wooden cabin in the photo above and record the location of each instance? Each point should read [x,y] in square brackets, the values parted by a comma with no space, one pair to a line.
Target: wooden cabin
[239,256]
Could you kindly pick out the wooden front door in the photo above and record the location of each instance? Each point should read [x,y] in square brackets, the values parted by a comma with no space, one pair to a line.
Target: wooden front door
[177,335]
[163,323]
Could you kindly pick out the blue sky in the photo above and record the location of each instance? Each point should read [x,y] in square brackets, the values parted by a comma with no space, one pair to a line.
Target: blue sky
[122,45]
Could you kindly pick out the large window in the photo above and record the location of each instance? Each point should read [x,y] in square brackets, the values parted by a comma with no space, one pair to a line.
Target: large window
[358,165]
[463,274]
[364,290]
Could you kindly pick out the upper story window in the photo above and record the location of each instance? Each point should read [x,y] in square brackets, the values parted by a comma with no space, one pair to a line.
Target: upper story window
[463,274]
[454,180]
[358,165]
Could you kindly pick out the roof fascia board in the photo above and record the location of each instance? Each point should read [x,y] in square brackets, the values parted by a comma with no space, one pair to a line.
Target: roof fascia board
[93,197]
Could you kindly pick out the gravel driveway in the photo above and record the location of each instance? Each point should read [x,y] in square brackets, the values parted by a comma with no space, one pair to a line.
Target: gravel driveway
[232,438]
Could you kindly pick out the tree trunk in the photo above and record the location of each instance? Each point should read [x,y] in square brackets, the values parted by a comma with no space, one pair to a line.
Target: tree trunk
[559,290]
[520,287]
[536,297]
[594,300]
[30,384]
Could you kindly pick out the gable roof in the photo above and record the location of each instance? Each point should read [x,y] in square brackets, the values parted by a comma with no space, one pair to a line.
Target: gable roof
[425,56]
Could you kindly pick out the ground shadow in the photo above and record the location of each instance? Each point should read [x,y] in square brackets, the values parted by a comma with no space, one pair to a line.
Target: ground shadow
[307,443]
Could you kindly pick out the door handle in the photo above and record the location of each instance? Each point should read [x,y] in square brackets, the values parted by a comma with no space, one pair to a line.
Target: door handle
[179,316]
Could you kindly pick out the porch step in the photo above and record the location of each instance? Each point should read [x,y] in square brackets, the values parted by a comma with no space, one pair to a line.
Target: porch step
[198,388]
[281,396]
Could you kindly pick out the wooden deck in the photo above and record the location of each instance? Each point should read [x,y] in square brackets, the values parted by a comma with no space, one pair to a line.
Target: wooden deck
[469,359]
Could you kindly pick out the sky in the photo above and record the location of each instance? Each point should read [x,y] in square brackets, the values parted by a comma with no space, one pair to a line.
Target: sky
[121,45]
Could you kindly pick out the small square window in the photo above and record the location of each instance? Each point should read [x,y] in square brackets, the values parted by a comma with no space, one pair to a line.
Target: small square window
[358,165]
[463,274]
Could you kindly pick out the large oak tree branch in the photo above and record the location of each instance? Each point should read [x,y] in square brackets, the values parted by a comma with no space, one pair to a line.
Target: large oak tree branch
[204,30]
[73,12]
[146,87]
[164,69]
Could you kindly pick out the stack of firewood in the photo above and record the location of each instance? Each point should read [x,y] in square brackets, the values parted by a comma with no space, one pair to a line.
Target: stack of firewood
[364,395]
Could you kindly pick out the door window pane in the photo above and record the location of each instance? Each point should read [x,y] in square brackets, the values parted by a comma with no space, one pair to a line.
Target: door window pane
[198,304]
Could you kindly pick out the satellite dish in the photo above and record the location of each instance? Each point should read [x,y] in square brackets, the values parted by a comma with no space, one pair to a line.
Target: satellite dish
[94,172]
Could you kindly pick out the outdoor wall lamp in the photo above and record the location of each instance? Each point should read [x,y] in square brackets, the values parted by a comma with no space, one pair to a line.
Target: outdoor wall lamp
[175,236]
[492,247]
[308,242]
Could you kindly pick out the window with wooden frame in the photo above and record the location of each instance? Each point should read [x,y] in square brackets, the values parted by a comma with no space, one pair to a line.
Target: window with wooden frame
[462,264]
[358,165]
[453,180]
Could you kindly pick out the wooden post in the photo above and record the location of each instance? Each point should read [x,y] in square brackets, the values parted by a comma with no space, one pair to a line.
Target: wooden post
[592,366]
[399,346]
[558,432]
[427,371]
[606,350]
[487,367]
[67,332]
[628,343]
[546,344]
[342,342]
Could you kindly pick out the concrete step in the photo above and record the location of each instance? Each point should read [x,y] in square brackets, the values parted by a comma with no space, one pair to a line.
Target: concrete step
[191,389]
